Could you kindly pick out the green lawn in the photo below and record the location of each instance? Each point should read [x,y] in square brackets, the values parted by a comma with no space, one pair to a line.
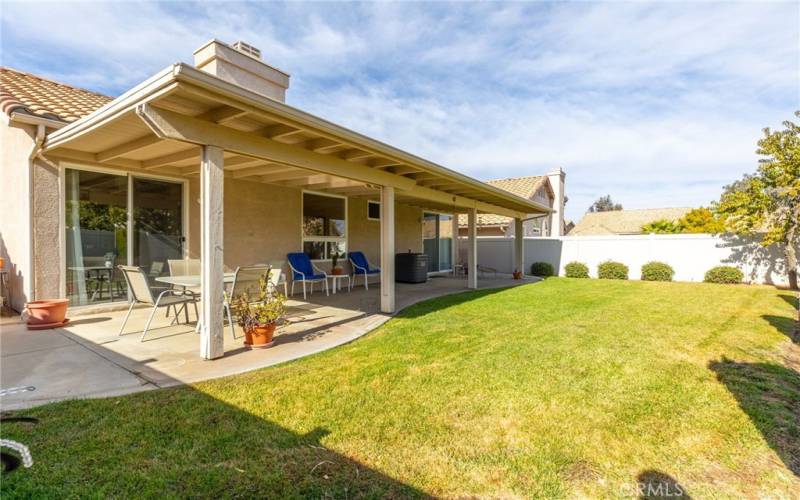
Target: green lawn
[563,388]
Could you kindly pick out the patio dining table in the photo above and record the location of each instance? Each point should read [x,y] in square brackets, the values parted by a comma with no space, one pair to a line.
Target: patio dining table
[191,281]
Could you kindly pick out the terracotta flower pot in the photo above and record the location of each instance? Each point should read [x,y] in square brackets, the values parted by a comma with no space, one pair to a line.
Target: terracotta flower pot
[47,313]
[260,336]
[337,271]
[517,275]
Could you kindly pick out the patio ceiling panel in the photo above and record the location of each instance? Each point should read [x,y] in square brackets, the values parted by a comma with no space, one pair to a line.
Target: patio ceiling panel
[148,129]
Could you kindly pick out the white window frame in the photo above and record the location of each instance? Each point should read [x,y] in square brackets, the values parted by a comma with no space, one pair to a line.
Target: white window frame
[62,214]
[372,202]
[304,238]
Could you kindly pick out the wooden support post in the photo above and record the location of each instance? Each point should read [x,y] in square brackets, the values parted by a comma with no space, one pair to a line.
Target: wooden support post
[212,286]
[472,248]
[387,249]
[454,245]
[519,246]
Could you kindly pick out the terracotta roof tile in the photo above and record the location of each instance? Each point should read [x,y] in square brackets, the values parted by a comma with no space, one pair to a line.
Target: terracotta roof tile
[624,221]
[22,92]
[524,187]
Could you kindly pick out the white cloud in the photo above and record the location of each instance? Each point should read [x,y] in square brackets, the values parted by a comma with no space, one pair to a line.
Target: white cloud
[657,104]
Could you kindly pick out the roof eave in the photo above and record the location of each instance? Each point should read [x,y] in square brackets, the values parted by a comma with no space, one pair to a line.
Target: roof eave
[166,79]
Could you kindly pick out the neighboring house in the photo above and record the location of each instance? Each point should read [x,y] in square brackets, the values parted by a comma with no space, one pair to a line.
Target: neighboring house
[212,150]
[624,221]
[543,189]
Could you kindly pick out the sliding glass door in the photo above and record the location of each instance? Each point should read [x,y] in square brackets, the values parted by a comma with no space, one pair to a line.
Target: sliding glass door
[113,219]
[157,224]
[96,235]
[437,241]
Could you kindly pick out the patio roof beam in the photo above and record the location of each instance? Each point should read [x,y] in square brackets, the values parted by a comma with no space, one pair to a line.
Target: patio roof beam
[180,156]
[262,170]
[456,201]
[126,148]
[285,176]
[278,130]
[223,114]
[170,125]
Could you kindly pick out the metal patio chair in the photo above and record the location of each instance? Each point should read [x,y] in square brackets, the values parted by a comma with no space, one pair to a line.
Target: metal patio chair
[141,293]
[361,266]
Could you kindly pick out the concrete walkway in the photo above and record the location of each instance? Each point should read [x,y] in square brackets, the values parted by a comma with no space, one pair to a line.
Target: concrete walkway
[88,359]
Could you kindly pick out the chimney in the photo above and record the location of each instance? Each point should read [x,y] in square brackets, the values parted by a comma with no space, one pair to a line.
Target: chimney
[557,177]
[241,65]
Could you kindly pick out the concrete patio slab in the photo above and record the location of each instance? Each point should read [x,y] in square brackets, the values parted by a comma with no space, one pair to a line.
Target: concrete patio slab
[87,358]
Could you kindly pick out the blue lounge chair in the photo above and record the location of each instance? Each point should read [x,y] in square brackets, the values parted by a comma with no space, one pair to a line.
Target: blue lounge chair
[361,265]
[305,271]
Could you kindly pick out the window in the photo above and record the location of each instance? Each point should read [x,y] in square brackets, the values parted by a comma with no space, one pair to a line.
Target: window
[324,226]
[373,210]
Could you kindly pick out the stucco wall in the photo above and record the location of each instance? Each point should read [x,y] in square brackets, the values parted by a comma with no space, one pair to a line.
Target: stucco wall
[46,237]
[262,224]
[16,144]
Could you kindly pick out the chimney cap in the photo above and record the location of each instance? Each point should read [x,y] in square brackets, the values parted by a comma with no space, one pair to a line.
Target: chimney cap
[247,49]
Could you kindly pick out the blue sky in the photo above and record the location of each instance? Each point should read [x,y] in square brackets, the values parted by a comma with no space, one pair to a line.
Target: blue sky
[657,104]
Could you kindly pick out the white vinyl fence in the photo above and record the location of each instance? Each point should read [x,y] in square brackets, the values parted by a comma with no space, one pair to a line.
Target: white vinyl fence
[690,255]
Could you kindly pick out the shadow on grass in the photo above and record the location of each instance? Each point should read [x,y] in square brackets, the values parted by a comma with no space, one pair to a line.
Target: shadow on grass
[442,303]
[183,443]
[770,395]
[790,299]
[656,484]
[787,326]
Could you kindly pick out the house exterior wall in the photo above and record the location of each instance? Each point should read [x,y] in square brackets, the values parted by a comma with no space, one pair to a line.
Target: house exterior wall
[16,144]
[263,224]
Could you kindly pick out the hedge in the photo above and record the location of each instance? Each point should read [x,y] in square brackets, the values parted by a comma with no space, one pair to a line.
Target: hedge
[657,271]
[724,274]
[542,269]
[610,270]
[576,270]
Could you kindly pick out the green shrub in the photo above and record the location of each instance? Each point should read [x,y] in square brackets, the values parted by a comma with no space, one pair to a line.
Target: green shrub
[610,270]
[657,271]
[724,274]
[576,270]
[542,269]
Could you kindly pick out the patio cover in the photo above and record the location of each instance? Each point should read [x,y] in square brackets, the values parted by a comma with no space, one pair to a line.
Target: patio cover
[186,122]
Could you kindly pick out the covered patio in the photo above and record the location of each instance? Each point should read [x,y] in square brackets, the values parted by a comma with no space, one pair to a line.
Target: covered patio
[246,157]
[50,360]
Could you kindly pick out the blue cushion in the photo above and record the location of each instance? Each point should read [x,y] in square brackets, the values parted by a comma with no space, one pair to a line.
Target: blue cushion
[301,263]
[359,259]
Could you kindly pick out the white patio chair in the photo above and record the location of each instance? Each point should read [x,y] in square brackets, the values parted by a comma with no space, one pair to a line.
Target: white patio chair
[304,271]
[277,277]
[141,293]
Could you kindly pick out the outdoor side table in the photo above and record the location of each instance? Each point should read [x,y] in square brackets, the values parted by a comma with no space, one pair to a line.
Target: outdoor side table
[337,281]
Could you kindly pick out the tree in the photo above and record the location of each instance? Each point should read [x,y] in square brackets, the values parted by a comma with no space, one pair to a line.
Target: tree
[769,201]
[702,220]
[604,204]
[662,226]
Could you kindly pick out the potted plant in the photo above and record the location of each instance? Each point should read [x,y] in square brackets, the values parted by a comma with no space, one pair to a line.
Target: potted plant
[517,274]
[258,318]
[336,270]
[45,314]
